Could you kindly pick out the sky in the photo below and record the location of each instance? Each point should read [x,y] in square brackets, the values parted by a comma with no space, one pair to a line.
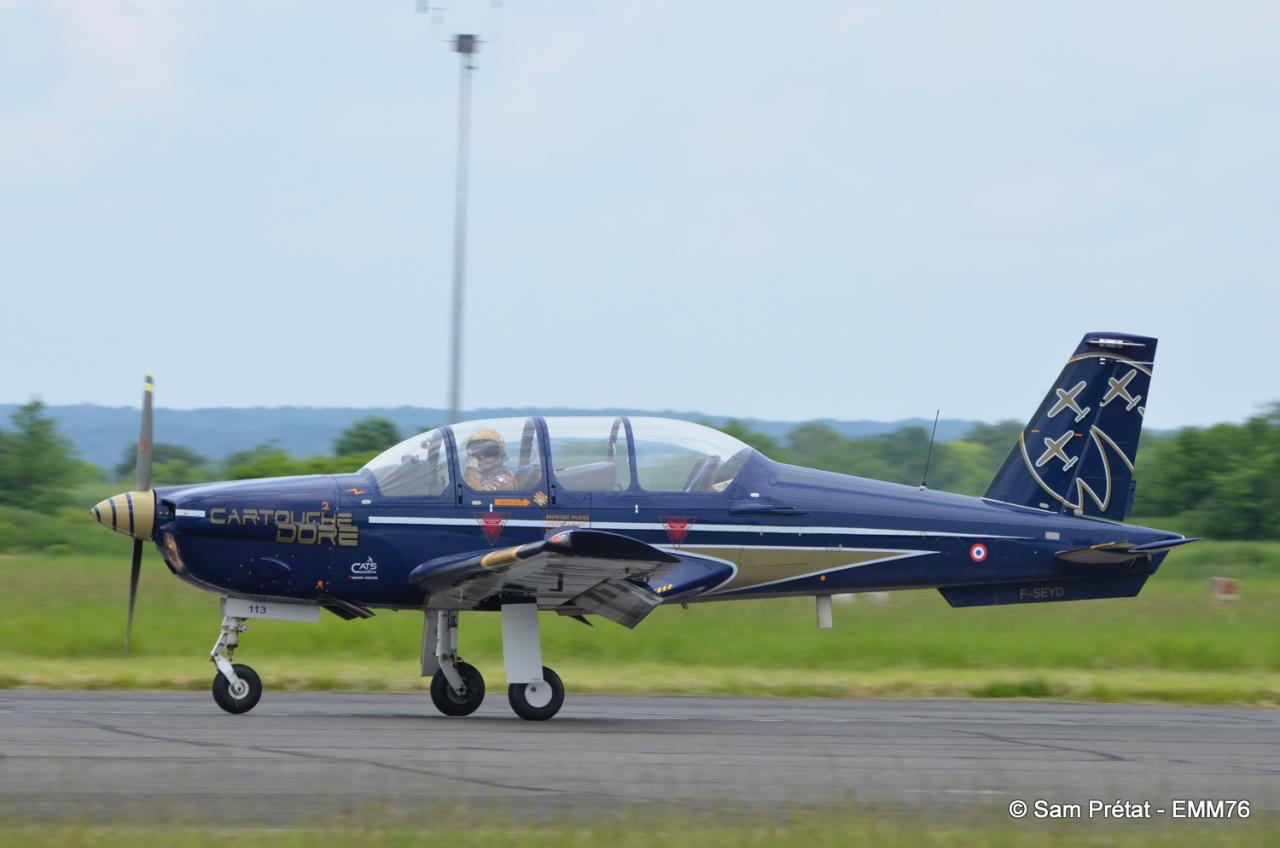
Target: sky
[858,210]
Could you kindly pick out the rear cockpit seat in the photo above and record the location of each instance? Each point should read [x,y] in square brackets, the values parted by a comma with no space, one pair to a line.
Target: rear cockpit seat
[593,477]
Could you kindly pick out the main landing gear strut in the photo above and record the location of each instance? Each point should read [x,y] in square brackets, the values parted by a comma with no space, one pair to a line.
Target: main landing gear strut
[457,688]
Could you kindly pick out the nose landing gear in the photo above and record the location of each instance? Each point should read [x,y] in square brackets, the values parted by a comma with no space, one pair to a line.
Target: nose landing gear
[241,696]
[236,687]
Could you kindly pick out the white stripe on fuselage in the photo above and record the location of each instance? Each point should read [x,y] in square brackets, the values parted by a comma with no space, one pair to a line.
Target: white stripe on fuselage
[692,528]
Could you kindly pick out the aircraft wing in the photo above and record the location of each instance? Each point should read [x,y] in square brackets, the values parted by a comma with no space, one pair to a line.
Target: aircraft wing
[573,571]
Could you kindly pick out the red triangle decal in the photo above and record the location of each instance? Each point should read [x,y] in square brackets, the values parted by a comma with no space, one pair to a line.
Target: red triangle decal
[491,523]
[677,527]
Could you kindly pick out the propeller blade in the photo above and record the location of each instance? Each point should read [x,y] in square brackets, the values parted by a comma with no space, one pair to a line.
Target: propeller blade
[143,472]
[144,439]
[134,574]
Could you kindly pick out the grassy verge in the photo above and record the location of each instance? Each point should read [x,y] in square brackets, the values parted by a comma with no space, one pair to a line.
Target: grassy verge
[62,618]
[647,678]
[838,828]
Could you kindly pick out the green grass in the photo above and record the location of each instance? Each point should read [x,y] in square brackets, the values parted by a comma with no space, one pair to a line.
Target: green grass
[814,829]
[62,618]
[74,607]
[292,673]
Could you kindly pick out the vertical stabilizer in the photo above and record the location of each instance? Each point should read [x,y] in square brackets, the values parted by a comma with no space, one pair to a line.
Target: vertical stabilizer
[1076,454]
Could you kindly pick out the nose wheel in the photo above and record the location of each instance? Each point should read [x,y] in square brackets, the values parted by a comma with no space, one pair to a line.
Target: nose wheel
[236,687]
[241,696]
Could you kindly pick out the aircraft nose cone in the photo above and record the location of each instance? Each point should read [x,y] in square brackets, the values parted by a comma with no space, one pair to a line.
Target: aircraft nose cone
[132,513]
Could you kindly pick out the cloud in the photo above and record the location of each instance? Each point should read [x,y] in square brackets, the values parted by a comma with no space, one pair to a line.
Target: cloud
[113,62]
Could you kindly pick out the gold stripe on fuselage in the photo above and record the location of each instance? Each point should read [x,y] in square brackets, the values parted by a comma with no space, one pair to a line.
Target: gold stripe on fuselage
[760,565]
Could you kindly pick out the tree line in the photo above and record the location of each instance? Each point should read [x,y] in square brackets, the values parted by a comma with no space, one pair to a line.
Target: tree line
[1221,481]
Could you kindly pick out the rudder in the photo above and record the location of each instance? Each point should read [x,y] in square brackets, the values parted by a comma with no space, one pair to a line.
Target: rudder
[1076,454]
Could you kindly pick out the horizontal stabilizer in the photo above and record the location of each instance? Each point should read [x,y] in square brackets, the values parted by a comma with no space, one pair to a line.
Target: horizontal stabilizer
[1108,553]
[1111,553]
[1044,591]
[1161,545]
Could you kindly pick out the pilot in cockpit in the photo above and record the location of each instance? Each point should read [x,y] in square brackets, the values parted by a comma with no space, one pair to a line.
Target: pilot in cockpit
[486,469]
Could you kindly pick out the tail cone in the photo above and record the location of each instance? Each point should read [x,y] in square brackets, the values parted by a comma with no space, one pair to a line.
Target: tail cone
[132,513]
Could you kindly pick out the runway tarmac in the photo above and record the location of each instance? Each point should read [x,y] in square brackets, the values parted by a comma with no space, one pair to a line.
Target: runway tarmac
[175,756]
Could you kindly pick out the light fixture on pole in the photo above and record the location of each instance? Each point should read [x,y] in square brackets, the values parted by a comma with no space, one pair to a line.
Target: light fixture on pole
[466,46]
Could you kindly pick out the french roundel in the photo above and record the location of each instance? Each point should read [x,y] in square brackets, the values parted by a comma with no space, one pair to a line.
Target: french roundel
[978,552]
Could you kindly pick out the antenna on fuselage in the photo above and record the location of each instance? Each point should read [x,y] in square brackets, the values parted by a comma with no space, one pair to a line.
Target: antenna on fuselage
[924,481]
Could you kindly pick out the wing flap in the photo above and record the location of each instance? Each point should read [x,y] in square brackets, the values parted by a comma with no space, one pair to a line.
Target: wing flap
[620,601]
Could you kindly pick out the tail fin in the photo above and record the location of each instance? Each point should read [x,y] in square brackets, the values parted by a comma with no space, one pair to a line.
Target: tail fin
[1077,452]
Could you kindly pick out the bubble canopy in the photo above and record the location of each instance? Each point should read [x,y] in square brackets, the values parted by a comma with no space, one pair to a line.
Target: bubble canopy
[587,454]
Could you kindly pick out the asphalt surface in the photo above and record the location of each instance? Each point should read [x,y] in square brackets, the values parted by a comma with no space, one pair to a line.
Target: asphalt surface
[300,757]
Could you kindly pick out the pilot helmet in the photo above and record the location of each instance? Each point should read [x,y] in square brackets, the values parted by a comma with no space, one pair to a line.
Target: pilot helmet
[483,441]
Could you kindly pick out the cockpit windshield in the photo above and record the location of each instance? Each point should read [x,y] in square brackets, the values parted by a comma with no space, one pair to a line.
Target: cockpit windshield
[678,456]
[590,454]
[418,467]
[586,455]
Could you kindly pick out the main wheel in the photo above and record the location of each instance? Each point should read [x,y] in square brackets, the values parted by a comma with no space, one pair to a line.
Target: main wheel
[451,703]
[537,702]
[239,699]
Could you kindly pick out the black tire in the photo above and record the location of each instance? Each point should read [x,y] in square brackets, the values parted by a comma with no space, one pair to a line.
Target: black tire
[224,697]
[528,712]
[447,701]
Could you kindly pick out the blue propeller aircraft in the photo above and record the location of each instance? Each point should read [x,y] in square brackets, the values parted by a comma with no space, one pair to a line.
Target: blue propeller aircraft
[613,517]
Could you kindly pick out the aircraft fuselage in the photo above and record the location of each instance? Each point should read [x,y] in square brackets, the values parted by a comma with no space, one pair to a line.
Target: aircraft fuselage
[780,530]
